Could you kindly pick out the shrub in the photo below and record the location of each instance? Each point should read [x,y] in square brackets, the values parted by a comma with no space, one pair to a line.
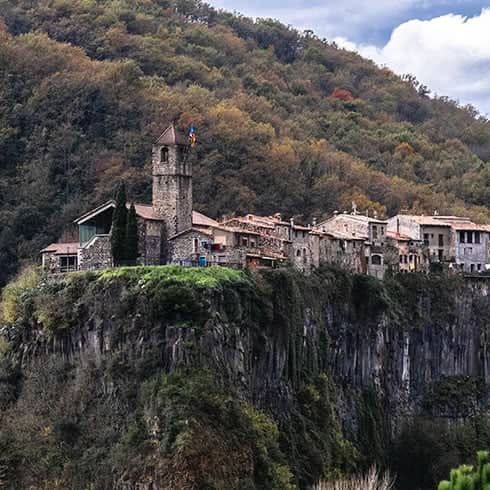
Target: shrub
[13,296]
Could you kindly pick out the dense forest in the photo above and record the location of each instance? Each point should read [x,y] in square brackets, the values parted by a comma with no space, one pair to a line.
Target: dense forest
[285,121]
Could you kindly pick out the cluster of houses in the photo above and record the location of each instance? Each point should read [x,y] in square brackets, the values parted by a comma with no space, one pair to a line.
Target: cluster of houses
[170,231]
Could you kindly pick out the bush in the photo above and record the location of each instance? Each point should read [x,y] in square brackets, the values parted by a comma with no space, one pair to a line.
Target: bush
[14,294]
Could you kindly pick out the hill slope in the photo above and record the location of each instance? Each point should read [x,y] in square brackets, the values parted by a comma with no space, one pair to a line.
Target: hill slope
[86,85]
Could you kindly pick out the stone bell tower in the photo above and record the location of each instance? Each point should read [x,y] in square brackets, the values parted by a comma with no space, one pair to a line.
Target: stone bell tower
[172,181]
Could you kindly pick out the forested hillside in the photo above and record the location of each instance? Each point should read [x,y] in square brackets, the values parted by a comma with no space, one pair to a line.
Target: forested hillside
[286,121]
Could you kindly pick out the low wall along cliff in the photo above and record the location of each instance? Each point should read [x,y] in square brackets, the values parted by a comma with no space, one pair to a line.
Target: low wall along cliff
[212,378]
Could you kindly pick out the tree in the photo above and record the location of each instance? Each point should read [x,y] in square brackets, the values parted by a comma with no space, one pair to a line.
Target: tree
[118,230]
[131,235]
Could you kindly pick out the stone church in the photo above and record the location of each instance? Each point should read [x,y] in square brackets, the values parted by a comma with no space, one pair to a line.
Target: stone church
[169,216]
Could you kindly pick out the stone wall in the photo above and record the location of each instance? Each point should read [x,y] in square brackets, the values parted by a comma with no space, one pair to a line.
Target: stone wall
[172,189]
[96,254]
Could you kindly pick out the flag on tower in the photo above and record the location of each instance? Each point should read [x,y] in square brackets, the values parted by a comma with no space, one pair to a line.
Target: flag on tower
[192,136]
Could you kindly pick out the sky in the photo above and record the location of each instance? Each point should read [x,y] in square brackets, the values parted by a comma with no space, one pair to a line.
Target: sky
[444,43]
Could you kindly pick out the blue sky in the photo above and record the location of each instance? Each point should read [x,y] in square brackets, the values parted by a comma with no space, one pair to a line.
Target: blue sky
[444,43]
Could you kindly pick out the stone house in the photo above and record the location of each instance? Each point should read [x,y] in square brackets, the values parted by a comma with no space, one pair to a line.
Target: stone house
[406,254]
[371,230]
[435,233]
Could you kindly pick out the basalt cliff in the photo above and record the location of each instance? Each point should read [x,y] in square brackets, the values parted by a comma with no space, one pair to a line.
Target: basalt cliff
[174,378]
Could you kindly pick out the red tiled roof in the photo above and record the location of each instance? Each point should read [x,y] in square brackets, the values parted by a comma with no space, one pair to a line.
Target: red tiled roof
[62,248]
[470,226]
[398,236]
[200,219]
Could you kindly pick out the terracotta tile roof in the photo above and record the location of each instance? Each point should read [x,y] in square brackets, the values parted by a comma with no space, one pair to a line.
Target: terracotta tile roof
[425,220]
[189,230]
[398,236]
[144,211]
[200,219]
[235,229]
[470,226]
[62,248]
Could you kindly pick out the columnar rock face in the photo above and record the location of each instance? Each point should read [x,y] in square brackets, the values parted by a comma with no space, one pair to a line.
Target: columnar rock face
[172,182]
[385,354]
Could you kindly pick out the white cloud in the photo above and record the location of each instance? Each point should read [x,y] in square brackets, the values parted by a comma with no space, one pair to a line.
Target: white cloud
[450,54]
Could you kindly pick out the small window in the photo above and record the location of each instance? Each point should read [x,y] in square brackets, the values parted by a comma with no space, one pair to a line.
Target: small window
[461,237]
[426,239]
[441,240]
[375,232]
[376,260]
[195,245]
[164,155]
[477,237]
[244,241]
[252,243]
[478,266]
[298,253]
[401,259]
[469,237]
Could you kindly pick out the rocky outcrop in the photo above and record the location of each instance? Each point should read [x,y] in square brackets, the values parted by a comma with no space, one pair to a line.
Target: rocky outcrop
[419,344]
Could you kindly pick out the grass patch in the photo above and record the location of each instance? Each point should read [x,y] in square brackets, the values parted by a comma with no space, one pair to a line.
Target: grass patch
[199,277]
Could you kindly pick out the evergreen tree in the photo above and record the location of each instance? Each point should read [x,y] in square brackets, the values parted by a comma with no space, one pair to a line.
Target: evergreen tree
[131,235]
[119,220]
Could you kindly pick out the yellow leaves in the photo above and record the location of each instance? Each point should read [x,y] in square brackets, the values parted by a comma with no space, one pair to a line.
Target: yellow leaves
[12,295]
[404,149]
[231,122]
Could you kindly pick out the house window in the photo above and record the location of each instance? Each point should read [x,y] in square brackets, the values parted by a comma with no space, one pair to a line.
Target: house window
[298,253]
[440,254]
[195,245]
[164,155]
[401,259]
[477,237]
[68,264]
[244,241]
[376,260]
[382,230]
[441,240]
[253,243]
[461,237]
[478,266]
[469,237]
[426,239]
[375,232]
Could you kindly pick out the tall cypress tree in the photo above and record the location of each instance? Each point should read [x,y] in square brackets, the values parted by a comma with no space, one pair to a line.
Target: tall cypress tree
[118,230]
[132,235]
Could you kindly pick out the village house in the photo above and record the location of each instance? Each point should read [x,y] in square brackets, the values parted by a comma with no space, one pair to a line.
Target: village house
[370,230]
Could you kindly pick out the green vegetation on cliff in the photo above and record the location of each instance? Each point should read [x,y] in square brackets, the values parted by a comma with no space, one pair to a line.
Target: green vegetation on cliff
[286,122]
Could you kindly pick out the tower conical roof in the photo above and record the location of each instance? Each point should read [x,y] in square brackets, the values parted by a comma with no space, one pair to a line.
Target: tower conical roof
[172,136]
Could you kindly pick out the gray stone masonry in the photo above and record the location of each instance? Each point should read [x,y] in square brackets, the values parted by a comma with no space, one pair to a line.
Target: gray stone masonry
[172,188]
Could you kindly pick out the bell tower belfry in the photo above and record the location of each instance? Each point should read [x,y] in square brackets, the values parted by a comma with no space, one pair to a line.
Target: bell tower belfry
[172,181]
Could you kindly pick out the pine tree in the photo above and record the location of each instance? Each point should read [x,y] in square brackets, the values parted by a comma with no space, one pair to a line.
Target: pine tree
[131,235]
[118,230]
